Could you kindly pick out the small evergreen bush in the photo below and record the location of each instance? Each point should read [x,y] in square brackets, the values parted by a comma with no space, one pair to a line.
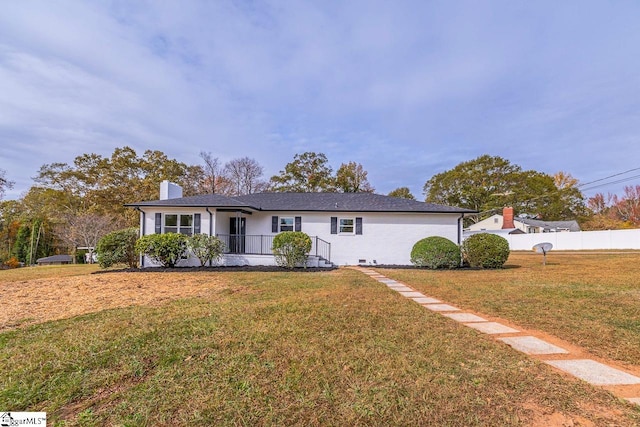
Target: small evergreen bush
[485,250]
[206,248]
[164,249]
[435,252]
[291,248]
[118,247]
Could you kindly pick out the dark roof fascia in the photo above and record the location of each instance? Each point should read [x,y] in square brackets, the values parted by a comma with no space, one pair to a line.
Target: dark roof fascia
[243,209]
[370,211]
[232,210]
[200,205]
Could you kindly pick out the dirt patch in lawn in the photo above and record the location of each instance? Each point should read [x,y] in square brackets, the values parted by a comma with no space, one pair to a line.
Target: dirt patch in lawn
[35,301]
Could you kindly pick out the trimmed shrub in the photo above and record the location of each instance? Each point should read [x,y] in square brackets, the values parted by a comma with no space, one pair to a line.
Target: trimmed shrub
[164,249]
[485,250]
[291,248]
[118,247]
[435,252]
[206,248]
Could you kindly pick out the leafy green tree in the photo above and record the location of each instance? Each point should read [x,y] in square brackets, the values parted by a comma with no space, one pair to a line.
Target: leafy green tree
[31,242]
[403,193]
[352,178]
[10,221]
[489,183]
[21,245]
[207,249]
[291,249]
[308,172]
[164,249]
[104,184]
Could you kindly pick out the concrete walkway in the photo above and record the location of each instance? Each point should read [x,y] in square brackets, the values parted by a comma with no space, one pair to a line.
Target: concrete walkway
[619,382]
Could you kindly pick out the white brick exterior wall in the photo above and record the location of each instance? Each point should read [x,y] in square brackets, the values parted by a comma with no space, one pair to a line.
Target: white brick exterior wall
[387,238]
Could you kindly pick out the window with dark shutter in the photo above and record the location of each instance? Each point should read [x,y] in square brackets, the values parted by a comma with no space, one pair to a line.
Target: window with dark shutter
[298,223]
[334,225]
[274,224]
[158,223]
[358,225]
[196,223]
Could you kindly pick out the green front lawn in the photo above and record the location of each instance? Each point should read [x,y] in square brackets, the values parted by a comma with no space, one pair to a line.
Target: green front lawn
[590,300]
[332,348]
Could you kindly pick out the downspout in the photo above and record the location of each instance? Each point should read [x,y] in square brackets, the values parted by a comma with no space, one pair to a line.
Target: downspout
[143,230]
[210,228]
[210,220]
[460,238]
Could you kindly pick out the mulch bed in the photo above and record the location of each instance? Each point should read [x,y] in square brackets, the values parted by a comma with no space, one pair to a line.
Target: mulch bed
[219,269]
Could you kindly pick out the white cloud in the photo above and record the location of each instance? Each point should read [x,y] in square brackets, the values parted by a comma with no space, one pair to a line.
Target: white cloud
[407,88]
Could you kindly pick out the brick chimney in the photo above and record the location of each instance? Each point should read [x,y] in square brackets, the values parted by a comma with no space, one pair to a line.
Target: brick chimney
[507,218]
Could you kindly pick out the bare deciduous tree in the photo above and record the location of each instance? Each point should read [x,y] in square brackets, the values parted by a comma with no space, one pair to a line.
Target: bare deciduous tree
[212,171]
[244,174]
[4,183]
[84,230]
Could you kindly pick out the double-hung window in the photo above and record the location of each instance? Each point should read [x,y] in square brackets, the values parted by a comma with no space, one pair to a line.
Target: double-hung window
[346,225]
[286,223]
[178,223]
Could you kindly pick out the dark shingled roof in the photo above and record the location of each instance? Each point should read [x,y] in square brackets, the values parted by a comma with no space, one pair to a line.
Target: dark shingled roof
[55,258]
[549,225]
[210,200]
[322,202]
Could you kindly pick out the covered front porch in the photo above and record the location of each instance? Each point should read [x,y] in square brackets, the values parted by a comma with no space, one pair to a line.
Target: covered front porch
[245,244]
[242,232]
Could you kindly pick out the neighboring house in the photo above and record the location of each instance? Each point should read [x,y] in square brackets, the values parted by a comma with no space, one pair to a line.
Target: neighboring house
[346,228]
[55,260]
[526,225]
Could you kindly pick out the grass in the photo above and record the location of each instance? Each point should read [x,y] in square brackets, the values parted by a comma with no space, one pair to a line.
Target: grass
[46,271]
[332,348]
[591,300]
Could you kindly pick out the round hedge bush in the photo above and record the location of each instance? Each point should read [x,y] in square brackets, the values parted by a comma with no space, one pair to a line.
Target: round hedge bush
[485,250]
[435,252]
[291,248]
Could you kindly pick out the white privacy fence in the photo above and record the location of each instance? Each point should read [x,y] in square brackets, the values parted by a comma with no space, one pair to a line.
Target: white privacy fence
[582,240]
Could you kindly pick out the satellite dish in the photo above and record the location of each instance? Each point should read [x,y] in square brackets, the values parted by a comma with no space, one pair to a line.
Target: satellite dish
[543,248]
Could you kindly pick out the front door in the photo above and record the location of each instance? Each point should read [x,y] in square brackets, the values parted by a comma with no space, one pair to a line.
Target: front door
[237,231]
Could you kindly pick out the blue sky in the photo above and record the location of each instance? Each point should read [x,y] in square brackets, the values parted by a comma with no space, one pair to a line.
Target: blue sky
[407,88]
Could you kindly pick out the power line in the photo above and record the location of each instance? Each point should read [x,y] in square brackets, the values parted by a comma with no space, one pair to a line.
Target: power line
[610,176]
[580,186]
[629,178]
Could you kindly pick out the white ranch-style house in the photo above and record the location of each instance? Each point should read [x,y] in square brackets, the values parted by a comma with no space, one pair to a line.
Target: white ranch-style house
[345,228]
